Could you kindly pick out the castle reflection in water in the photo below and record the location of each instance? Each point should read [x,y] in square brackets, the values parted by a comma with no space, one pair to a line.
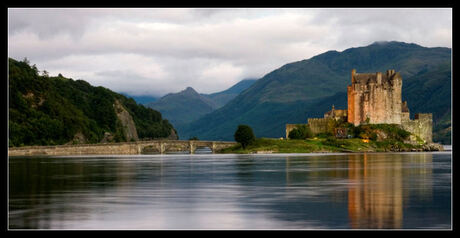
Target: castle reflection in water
[378,187]
[377,202]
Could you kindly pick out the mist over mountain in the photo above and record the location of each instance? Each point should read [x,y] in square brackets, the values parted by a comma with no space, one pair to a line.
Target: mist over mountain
[308,88]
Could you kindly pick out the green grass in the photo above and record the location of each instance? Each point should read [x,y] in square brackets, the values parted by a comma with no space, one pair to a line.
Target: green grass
[264,145]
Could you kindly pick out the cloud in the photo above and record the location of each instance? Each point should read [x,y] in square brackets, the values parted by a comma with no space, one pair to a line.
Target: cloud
[157,51]
[365,26]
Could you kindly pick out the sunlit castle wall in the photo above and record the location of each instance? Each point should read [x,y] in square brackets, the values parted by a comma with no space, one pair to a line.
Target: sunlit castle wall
[376,97]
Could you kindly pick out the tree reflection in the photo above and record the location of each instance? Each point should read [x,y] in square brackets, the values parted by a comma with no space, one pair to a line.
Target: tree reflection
[46,192]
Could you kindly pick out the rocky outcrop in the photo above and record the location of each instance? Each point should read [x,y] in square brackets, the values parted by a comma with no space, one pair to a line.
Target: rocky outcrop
[127,122]
[108,137]
[78,138]
[35,101]
[173,135]
[416,147]
[433,147]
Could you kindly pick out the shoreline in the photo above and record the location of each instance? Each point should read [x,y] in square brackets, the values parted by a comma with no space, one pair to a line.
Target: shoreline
[327,145]
[262,146]
[226,154]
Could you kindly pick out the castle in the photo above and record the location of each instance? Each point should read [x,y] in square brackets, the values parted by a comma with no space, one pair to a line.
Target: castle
[374,98]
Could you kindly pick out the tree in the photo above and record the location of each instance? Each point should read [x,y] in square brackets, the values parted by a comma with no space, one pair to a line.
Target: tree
[300,132]
[295,134]
[244,135]
[25,60]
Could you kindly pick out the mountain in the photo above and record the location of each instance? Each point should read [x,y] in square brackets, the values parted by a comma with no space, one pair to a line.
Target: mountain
[57,110]
[188,105]
[183,107]
[223,97]
[308,88]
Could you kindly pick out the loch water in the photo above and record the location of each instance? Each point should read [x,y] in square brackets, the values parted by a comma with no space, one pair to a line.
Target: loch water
[221,191]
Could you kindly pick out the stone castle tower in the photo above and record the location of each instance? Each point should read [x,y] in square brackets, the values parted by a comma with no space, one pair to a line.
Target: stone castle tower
[375,97]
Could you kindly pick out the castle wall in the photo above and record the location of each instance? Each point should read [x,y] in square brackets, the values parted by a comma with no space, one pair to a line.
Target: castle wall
[320,125]
[405,117]
[421,126]
[351,104]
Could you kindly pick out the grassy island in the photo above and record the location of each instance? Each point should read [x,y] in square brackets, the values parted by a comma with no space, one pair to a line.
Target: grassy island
[310,145]
[363,138]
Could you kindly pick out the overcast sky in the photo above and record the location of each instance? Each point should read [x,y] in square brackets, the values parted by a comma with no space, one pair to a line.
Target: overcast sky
[158,51]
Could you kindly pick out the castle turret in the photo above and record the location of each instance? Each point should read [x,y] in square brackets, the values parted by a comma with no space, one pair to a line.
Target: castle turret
[379,78]
[353,72]
[404,112]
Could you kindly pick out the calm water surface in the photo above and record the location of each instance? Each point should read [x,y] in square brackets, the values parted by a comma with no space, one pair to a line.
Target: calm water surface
[336,191]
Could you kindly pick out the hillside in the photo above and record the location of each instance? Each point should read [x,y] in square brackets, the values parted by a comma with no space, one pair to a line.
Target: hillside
[223,97]
[57,110]
[430,92]
[183,107]
[188,105]
[307,88]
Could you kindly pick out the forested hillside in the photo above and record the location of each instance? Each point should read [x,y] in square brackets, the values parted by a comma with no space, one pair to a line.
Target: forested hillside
[47,110]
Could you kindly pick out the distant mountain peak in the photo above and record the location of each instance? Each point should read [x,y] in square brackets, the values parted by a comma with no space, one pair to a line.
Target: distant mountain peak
[382,42]
[189,91]
[395,43]
[184,106]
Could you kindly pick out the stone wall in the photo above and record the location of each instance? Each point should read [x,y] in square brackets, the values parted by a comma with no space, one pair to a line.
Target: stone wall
[421,126]
[93,149]
[405,117]
[125,148]
[320,125]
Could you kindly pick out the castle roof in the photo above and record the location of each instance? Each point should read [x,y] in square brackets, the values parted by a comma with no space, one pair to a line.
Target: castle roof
[335,113]
[364,78]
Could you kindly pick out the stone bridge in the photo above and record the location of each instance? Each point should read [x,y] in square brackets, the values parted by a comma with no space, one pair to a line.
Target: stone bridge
[123,148]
